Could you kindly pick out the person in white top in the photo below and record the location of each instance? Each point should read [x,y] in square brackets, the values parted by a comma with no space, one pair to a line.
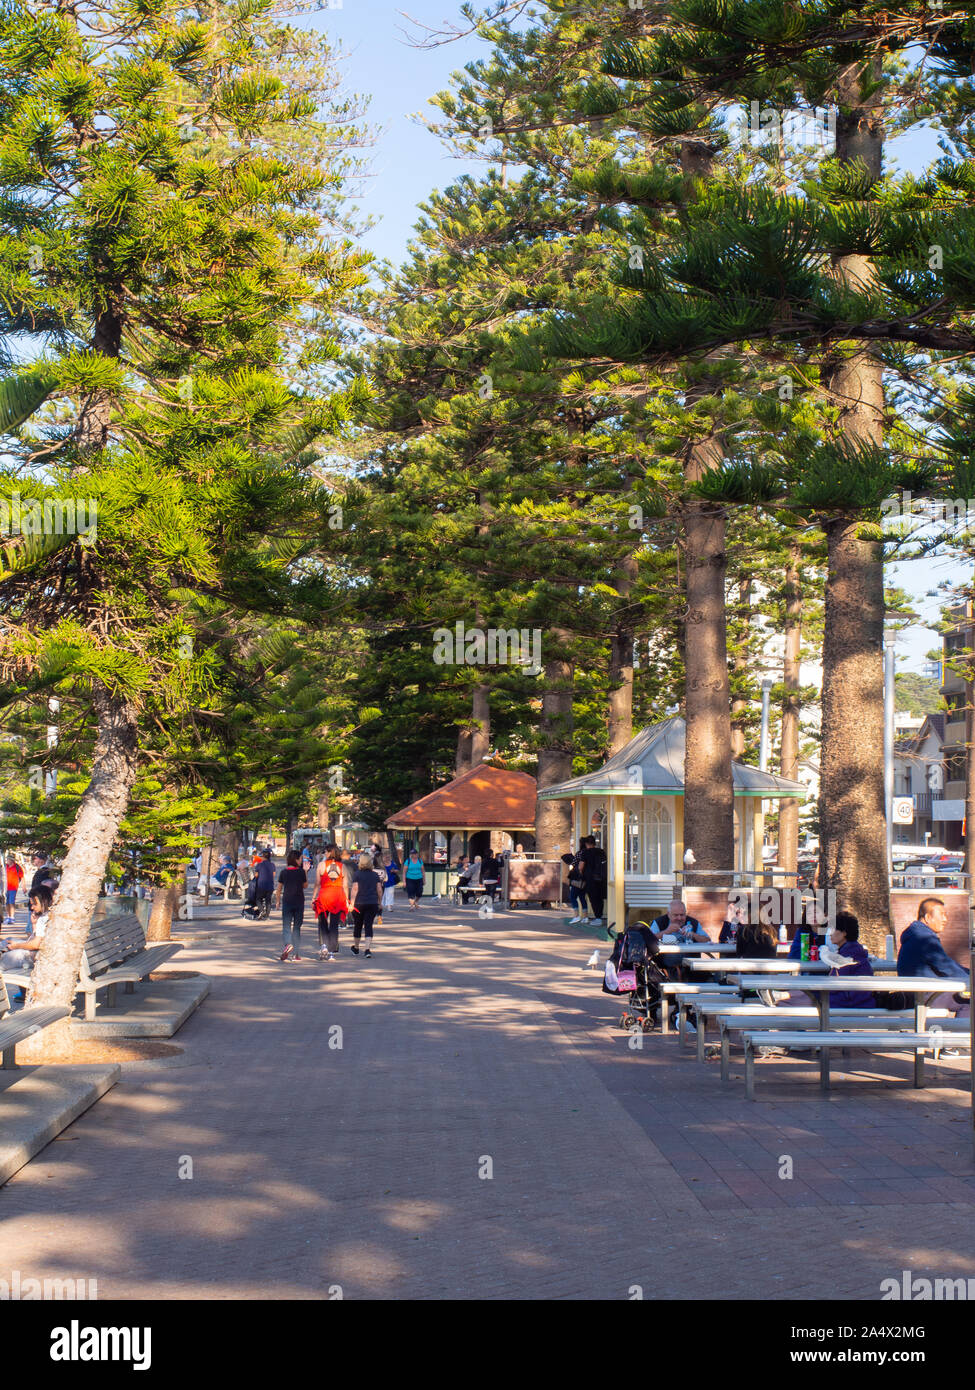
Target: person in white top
[20,956]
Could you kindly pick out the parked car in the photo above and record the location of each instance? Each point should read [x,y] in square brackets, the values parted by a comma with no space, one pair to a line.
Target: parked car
[947,869]
[946,861]
[806,869]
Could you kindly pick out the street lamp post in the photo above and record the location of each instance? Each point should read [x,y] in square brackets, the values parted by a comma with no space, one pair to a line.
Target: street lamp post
[763,742]
[889,743]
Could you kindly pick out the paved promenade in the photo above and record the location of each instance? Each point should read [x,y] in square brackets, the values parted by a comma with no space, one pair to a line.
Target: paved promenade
[480,1046]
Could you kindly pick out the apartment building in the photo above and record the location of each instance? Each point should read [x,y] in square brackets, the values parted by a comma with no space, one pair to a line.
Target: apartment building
[948,802]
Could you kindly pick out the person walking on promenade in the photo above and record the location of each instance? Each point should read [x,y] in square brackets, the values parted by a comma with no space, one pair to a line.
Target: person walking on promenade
[264,883]
[15,875]
[348,868]
[389,887]
[413,877]
[45,874]
[331,904]
[291,901]
[364,902]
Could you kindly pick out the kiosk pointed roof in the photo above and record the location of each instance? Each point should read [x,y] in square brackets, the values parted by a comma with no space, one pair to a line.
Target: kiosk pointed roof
[653,761]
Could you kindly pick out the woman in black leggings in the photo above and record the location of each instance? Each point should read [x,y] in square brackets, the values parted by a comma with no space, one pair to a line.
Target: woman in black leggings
[364,902]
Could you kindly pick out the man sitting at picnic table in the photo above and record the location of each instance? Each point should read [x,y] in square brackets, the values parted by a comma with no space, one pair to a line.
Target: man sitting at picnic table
[676,923]
[846,956]
[921,953]
[675,926]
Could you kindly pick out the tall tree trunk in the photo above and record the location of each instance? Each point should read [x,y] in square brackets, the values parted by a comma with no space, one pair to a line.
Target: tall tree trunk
[854,830]
[708,788]
[474,739]
[970,779]
[462,760]
[165,901]
[480,724]
[553,819]
[853,848]
[739,664]
[92,429]
[621,662]
[55,976]
[709,815]
[788,848]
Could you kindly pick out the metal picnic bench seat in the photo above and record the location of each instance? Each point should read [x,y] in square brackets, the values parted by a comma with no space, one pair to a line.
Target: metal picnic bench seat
[852,1022]
[116,953]
[17,1028]
[918,1043]
[724,1012]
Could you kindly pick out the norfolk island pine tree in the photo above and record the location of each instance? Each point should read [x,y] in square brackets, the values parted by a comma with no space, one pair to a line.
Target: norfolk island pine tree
[176,253]
[757,269]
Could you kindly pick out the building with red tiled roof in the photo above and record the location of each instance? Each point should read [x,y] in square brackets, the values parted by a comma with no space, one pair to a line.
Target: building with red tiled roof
[486,798]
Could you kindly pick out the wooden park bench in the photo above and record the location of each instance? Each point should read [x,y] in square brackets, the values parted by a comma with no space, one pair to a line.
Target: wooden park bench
[17,1028]
[116,953]
[931,1041]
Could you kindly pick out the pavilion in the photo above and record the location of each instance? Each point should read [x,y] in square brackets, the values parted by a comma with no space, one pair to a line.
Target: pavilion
[484,800]
[634,806]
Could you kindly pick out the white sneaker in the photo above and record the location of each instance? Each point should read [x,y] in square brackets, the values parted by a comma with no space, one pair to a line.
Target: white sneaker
[573,920]
[594,921]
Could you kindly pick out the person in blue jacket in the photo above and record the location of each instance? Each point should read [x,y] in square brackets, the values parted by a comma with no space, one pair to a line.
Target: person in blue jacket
[921,953]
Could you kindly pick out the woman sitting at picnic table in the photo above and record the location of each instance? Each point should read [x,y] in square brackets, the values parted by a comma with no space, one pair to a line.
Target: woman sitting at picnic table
[756,940]
[812,922]
[846,956]
[737,917]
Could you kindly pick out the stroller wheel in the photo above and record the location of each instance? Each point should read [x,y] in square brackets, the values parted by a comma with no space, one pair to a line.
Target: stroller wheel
[647,1025]
[626,1020]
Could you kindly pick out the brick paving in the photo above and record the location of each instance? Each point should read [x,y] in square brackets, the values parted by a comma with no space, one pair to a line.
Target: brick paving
[471,1044]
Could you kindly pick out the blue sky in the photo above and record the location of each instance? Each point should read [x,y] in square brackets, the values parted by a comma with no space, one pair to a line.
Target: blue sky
[408,163]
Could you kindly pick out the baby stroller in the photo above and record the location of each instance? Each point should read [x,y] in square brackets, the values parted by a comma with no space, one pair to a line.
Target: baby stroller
[639,975]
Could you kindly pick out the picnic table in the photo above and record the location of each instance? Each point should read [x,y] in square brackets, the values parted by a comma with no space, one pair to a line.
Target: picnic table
[758,965]
[697,948]
[721,948]
[752,965]
[920,986]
